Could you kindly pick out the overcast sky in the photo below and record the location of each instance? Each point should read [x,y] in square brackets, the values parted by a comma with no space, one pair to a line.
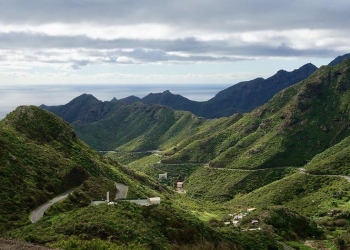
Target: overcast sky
[191,41]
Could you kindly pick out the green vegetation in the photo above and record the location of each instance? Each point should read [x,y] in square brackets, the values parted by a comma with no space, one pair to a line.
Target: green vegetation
[130,226]
[298,123]
[127,157]
[309,195]
[42,157]
[284,222]
[335,160]
[122,224]
[287,159]
[220,185]
[214,185]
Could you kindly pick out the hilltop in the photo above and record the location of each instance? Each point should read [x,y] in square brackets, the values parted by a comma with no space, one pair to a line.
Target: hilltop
[41,157]
[242,97]
[153,124]
[135,127]
[298,123]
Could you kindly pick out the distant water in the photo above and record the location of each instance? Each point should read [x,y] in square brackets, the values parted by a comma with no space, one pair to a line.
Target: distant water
[13,96]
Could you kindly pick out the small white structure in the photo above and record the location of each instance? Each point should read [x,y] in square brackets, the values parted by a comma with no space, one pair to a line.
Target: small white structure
[238,216]
[163,176]
[235,223]
[254,222]
[153,200]
[251,209]
[180,184]
[97,202]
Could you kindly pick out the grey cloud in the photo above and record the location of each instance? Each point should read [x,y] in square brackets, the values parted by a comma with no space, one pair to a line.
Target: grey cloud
[155,50]
[204,15]
[231,15]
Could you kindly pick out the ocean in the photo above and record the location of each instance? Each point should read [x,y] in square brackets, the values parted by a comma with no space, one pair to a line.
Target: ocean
[13,96]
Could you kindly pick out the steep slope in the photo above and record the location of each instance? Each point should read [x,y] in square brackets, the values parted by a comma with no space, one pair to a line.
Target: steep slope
[339,60]
[41,157]
[241,97]
[246,96]
[130,99]
[298,123]
[137,127]
[335,160]
[307,194]
[177,102]
[85,108]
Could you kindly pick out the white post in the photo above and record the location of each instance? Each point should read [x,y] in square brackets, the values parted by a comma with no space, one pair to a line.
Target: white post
[107,196]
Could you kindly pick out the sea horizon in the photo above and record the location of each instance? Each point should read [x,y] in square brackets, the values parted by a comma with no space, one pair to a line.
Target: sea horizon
[52,95]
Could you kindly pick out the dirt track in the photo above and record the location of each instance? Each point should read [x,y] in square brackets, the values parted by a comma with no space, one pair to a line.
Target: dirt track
[7,244]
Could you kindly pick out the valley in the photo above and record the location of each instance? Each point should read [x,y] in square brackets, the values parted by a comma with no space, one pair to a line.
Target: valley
[284,165]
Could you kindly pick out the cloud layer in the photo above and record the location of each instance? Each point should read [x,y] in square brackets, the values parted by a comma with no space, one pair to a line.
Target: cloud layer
[67,35]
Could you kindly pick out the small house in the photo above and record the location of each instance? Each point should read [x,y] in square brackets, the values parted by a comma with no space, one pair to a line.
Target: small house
[235,223]
[163,176]
[238,216]
[154,200]
[254,222]
[330,213]
[180,184]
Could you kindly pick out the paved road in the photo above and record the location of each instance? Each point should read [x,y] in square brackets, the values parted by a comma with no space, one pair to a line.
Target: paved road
[122,191]
[38,213]
[249,170]
[303,171]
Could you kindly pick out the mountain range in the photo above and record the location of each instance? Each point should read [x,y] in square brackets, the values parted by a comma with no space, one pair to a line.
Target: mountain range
[287,160]
[41,157]
[242,97]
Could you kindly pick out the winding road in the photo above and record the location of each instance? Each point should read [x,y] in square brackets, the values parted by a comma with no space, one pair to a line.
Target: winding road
[303,171]
[38,213]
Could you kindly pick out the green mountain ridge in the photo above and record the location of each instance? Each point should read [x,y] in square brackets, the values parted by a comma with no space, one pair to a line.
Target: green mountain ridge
[42,157]
[298,123]
[286,159]
[242,97]
[295,125]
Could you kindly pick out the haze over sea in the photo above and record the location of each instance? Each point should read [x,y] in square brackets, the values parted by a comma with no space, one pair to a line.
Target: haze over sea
[13,96]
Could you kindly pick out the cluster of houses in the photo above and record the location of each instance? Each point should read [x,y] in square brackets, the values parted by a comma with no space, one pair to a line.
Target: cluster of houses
[236,218]
[179,184]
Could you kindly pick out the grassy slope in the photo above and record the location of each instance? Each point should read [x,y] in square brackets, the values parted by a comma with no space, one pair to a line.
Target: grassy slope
[126,157]
[130,226]
[295,125]
[307,194]
[219,185]
[41,157]
[335,160]
[137,127]
[124,224]
[298,123]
